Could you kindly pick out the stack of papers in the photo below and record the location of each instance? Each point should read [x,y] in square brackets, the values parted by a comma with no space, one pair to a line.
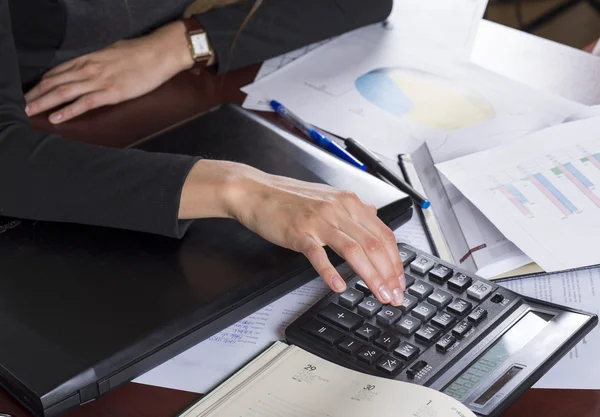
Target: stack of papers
[542,192]
[395,98]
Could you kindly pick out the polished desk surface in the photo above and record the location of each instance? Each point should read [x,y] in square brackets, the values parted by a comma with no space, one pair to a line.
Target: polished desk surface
[187,95]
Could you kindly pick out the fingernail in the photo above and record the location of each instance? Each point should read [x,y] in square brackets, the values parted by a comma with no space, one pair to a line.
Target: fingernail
[27,110]
[384,293]
[338,284]
[402,282]
[57,117]
[398,296]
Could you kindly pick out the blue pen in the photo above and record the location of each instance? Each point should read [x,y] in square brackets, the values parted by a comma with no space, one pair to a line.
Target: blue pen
[318,138]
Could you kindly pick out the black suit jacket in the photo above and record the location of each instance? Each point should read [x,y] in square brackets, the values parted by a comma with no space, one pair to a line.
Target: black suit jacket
[45,177]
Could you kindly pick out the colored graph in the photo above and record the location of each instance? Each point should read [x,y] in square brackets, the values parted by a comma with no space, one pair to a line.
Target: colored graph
[424,98]
[516,198]
[569,187]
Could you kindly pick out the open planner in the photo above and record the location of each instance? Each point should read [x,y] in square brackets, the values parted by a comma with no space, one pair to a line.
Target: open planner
[289,381]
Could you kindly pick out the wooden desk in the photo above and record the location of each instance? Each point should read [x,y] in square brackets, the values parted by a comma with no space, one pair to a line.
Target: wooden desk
[180,98]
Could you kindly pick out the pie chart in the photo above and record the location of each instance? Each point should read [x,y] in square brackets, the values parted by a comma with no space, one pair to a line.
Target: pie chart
[424,98]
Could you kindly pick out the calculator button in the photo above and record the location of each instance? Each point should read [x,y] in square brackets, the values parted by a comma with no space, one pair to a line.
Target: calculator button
[427,334]
[406,351]
[322,331]
[350,298]
[410,280]
[341,317]
[477,315]
[387,341]
[443,320]
[459,282]
[369,307]
[421,289]
[440,298]
[497,298]
[422,265]
[407,255]
[440,273]
[445,343]
[362,287]
[388,315]
[424,311]
[369,355]
[479,290]
[389,365]
[410,302]
[461,329]
[350,345]
[460,307]
[408,325]
[368,332]
[415,369]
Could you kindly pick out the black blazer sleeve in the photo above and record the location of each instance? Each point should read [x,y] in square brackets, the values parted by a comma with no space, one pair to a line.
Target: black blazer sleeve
[46,177]
[281,26]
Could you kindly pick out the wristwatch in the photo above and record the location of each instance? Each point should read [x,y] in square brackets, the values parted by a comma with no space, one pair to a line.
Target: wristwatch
[200,49]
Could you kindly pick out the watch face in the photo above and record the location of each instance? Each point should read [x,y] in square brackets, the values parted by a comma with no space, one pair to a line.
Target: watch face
[200,45]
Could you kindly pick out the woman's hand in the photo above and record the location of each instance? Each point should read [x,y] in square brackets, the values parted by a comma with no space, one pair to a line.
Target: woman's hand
[120,72]
[303,217]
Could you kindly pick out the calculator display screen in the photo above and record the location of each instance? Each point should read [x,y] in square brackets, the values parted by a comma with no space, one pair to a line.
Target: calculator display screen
[510,342]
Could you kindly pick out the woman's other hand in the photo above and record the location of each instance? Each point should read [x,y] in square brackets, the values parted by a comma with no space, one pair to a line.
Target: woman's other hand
[303,217]
[120,72]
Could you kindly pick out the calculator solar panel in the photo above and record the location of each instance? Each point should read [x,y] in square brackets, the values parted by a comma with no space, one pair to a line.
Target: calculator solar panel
[461,334]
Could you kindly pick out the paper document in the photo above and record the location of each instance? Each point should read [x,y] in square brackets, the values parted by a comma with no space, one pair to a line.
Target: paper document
[296,383]
[580,368]
[448,26]
[369,86]
[473,241]
[272,65]
[542,192]
[207,364]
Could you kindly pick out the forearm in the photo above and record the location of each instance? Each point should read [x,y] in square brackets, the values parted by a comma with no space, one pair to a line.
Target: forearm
[216,189]
[170,41]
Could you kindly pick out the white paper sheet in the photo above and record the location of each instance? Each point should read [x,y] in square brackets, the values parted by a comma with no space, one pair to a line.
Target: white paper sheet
[270,66]
[580,368]
[474,242]
[449,26]
[207,364]
[369,85]
[542,192]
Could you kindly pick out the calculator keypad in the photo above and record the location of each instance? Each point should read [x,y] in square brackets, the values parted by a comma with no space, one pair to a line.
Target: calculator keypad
[369,307]
[368,332]
[440,312]
[388,315]
[422,265]
[460,282]
[351,298]
[421,289]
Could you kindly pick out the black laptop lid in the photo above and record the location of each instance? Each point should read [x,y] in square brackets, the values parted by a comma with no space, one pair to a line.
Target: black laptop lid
[81,304]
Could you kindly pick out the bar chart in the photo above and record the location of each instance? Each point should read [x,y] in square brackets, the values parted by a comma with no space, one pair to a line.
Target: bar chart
[569,188]
[541,191]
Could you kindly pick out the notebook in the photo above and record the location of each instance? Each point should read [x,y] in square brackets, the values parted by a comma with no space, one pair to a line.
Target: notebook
[287,381]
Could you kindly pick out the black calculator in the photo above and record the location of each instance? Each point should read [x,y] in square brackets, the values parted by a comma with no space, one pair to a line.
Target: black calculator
[465,336]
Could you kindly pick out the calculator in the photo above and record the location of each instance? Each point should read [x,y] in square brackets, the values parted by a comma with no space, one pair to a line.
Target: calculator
[460,334]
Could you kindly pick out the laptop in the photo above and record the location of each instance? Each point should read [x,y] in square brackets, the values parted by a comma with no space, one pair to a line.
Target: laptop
[85,309]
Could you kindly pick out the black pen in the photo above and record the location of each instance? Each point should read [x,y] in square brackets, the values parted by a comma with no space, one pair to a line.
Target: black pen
[370,160]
